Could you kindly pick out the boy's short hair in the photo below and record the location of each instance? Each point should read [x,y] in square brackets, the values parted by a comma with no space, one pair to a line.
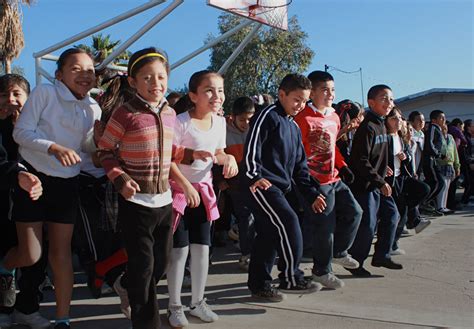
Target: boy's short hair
[8,80]
[435,114]
[375,90]
[319,76]
[294,81]
[412,116]
[243,105]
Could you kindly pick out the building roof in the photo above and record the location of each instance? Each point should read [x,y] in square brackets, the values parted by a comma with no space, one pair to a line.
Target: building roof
[434,91]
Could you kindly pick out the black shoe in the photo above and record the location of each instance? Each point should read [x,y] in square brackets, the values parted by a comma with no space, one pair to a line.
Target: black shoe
[359,272]
[387,263]
[62,326]
[7,290]
[270,295]
[302,287]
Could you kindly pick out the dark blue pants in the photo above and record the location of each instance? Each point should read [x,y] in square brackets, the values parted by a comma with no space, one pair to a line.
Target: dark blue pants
[433,178]
[375,207]
[278,232]
[245,220]
[335,229]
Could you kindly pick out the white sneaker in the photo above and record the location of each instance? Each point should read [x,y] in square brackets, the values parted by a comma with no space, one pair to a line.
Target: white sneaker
[176,316]
[397,252]
[123,294]
[33,320]
[329,281]
[203,311]
[347,262]
[5,321]
[424,223]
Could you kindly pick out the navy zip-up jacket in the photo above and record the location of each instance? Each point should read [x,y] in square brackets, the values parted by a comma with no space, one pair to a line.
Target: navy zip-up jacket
[274,151]
[433,142]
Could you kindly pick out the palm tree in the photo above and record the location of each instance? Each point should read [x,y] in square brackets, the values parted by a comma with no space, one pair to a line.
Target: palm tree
[11,36]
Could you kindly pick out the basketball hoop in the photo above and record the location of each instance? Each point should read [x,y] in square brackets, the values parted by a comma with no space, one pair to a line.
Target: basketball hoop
[270,12]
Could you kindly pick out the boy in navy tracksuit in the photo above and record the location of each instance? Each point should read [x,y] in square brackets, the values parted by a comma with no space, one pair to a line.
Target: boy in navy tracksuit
[369,163]
[273,158]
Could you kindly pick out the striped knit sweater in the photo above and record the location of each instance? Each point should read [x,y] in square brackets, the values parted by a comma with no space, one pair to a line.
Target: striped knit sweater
[138,144]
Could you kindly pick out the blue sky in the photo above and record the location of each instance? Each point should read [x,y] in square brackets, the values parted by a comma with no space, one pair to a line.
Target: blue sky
[411,45]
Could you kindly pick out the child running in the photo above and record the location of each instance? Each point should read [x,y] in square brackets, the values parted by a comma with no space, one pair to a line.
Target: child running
[136,152]
[51,132]
[335,228]
[274,157]
[198,128]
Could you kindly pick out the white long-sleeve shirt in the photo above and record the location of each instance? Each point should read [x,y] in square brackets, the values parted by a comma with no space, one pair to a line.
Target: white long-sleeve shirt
[53,115]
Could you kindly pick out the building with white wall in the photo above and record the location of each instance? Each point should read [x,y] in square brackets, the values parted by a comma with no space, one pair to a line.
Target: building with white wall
[455,103]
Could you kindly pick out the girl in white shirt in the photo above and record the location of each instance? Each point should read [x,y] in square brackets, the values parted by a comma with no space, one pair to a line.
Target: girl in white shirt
[202,129]
[53,128]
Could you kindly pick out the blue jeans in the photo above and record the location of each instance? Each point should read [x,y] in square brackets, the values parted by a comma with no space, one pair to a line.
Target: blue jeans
[278,232]
[375,207]
[335,229]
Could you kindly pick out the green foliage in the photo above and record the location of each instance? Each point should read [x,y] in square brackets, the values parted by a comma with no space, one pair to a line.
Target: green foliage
[102,46]
[264,62]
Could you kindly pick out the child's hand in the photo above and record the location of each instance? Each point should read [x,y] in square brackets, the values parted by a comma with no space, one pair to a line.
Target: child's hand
[203,155]
[386,190]
[401,156]
[262,184]
[389,172]
[319,204]
[9,109]
[31,184]
[99,129]
[66,156]
[192,196]
[230,167]
[129,189]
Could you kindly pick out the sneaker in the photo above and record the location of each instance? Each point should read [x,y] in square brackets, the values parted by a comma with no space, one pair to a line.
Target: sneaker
[397,252]
[387,263]
[329,281]
[270,295]
[234,233]
[176,316]
[424,223]
[123,294]
[346,261]
[405,232]
[446,211]
[187,280]
[359,272]
[244,262]
[302,287]
[33,320]
[203,311]
[7,290]
[5,321]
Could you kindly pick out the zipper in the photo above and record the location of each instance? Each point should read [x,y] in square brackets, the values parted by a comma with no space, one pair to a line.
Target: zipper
[161,147]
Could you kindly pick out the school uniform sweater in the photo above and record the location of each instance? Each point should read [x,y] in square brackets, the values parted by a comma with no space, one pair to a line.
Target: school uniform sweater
[274,151]
[319,134]
[138,144]
[369,155]
[53,115]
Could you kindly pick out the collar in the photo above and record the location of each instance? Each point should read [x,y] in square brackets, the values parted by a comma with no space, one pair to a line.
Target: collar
[156,108]
[378,117]
[65,94]
[327,110]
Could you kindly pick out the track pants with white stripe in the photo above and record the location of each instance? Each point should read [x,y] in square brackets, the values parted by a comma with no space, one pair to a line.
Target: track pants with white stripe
[278,233]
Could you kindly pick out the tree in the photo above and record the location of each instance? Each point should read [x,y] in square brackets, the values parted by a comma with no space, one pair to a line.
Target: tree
[263,63]
[11,37]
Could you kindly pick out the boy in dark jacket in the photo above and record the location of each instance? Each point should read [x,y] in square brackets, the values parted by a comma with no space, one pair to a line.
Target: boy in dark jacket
[369,163]
[273,158]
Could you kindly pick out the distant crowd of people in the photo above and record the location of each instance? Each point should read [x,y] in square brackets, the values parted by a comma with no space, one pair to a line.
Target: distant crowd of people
[134,183]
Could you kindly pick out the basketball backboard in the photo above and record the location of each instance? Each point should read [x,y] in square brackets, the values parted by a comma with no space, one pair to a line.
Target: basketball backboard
[270,12]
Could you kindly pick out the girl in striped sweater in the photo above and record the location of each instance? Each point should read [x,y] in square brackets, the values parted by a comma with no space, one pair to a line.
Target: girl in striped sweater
[136,152]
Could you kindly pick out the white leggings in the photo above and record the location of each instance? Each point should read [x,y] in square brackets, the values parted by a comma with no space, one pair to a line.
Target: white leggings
[442,198]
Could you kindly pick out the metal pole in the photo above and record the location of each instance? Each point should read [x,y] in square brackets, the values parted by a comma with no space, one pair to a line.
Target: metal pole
[212,43]
[139,33]
[239,49]
[110,22]
[37,70]
[362,87]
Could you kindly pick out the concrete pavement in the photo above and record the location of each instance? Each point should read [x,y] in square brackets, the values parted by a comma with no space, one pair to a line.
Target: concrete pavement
[434,290]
